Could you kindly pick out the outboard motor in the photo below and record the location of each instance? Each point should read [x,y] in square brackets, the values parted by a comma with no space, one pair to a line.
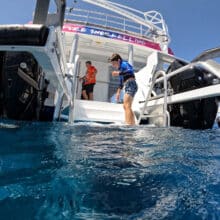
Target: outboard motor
[22,86]
[23,81]
[197,114]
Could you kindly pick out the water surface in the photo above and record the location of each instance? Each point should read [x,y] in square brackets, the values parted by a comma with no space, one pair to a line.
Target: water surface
[91,171]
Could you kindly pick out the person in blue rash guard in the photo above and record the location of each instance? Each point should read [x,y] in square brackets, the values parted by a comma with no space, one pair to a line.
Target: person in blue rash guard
[127,80]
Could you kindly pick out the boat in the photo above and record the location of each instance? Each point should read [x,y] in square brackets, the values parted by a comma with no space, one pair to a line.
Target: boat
[42,62]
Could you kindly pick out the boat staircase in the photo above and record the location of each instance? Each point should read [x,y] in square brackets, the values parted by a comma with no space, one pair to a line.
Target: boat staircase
[144,114]
[206,62]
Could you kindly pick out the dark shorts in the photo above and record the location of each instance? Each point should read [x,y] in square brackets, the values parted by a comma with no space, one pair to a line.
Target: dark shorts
[130,87]
[89,88]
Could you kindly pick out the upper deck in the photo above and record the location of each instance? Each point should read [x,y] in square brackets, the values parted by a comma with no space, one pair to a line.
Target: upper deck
[123,22]
[106,21]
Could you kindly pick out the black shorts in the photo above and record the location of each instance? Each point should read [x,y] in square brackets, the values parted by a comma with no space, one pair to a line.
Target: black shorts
[89,88]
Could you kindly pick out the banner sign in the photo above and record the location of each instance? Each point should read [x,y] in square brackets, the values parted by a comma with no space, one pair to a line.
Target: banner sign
[109,34]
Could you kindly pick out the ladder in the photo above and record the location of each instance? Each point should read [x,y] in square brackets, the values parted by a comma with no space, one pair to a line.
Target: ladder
[165,114]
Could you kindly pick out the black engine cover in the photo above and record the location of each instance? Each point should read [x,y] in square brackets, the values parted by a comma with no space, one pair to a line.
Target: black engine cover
[197,114]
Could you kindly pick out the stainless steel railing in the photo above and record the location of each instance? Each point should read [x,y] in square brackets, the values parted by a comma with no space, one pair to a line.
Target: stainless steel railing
[165,114]
[107,21]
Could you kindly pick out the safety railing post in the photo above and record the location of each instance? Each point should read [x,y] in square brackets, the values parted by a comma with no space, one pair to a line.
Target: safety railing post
[73,89]
[74,48]
[130,54]
[165,98]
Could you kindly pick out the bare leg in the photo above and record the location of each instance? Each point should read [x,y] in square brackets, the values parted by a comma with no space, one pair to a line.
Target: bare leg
[91,96]
[85,96]
[129,115]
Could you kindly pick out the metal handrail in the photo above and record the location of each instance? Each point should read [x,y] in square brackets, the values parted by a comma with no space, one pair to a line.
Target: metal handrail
[199,93]
[208,54]
[203,64]
[73,88]
[203,61]
[61,50]
[165,112]
[165,115]
[106,20]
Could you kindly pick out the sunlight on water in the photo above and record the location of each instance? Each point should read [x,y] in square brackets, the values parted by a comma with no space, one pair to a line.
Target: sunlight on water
[91,171]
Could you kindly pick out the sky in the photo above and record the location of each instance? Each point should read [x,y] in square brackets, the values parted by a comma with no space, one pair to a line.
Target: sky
[193,24]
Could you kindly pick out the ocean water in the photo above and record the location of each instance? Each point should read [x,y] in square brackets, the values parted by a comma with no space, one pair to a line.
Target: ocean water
[91,171]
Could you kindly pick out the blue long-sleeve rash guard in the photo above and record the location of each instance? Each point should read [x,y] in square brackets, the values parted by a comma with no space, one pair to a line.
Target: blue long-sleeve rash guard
[126,71]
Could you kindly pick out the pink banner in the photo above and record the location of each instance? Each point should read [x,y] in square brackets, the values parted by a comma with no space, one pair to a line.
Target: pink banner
[109,34]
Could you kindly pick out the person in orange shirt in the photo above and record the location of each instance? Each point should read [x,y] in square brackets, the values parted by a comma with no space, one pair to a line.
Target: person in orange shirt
[89,81]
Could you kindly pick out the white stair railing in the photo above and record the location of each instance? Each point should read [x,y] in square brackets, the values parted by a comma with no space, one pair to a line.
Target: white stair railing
[165,114]
[73,88]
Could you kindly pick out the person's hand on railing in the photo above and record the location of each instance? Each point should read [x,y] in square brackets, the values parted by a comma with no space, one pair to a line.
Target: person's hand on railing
[82,78]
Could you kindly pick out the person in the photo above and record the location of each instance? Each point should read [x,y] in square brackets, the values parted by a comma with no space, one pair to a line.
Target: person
[127,81]
[89,80]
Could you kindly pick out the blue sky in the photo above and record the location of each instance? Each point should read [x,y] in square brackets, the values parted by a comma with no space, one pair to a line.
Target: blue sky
[193,24]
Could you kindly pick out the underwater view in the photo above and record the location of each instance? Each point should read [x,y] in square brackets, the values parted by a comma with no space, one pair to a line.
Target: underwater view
[92,171]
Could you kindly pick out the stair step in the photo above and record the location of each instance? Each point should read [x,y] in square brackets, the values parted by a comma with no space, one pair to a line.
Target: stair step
[98,111]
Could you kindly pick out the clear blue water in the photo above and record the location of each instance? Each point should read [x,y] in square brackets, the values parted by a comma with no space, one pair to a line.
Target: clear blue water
[62,171]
